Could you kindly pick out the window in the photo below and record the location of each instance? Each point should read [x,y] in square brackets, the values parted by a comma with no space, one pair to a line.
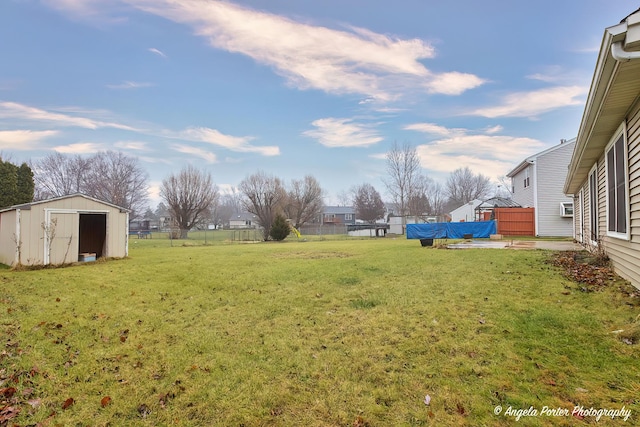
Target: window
[593,204]
[617,187]
[348,217]
[566,209]
[527,181]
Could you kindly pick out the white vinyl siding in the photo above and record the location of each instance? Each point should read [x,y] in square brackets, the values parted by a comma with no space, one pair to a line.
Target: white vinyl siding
[593,230]
[550,174]
[521,195]
[624,253]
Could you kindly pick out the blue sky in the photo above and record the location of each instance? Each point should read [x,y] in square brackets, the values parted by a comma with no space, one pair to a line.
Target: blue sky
[297,87]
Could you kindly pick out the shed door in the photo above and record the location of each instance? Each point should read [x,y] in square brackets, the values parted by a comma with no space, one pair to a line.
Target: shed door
[93,233]
[62,233]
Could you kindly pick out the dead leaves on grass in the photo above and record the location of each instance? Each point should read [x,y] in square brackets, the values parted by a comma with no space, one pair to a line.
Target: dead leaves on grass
[577,267]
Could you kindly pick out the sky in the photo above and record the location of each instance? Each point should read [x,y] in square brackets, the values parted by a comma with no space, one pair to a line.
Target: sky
[295,88]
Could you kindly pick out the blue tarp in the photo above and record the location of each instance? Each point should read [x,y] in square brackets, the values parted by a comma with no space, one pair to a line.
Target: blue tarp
[451,230]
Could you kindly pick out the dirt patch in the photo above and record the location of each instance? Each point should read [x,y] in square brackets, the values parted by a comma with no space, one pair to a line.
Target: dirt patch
[311,255]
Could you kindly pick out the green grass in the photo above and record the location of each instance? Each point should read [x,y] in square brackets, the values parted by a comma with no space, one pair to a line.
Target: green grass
[335,332]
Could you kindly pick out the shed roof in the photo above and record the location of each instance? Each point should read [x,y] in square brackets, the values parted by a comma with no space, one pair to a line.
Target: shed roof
[27,206]
[498,202]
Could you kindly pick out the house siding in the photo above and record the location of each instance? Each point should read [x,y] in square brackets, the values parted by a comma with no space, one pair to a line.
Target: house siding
[551,172]
[521,195]
[625,254]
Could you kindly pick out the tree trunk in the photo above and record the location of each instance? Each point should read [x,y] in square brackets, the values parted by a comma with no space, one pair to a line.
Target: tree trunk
[183,233]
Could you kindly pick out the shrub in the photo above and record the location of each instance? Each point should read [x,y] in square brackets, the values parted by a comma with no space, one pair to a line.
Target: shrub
[280,228]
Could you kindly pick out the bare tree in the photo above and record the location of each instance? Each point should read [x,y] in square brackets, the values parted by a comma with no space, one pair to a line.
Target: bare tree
[368,203]
[345,198]
[229,205]
[419,202]
[190,197]
[464,186]
[304,201]
[403,169]
[437,199]
[58,175]
[264,198]
[110,176]
[119,179]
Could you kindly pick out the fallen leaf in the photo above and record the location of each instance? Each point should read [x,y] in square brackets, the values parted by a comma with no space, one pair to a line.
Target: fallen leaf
[460,408]
[7,413]
[482,321]
[68,403]
[57,299]
[123,338]
[105,401]
[144,410]
[34,403]
[7,392]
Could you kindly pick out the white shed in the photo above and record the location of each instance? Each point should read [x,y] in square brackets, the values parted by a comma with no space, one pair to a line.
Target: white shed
[466,212]
[63,230]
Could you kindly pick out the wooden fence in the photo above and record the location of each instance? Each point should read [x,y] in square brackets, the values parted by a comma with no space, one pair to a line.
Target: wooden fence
[516,221]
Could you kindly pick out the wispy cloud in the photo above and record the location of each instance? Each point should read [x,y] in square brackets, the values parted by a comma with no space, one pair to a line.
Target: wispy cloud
[80,148]
[13,110]
[130,85]
[336,132]
[534,103]
[434,129]
[23,139]
[351,60]
[98,12]
[481,151]
[234,143]
[208,156]
[131,145]
[157,52]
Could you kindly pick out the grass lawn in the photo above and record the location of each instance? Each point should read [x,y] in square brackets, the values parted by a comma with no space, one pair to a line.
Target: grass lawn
[316,333]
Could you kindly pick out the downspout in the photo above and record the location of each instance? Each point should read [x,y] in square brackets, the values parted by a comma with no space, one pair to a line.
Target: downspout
[621,55]
[535,196]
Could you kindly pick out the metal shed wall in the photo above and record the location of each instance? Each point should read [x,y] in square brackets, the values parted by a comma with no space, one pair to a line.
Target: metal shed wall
[64,248]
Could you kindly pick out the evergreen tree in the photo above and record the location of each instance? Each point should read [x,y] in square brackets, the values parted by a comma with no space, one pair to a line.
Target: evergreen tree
[16,184]
[25,185]
[280,228]
[8,184]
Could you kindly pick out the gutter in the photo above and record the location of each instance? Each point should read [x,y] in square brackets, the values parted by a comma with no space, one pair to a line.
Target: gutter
[621,55]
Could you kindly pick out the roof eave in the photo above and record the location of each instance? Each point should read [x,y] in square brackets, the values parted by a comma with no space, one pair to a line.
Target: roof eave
[605,73]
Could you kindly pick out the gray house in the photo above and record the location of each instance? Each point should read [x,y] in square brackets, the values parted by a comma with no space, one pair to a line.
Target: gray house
[339,215]
[243,220]
[538,182]
[604,173]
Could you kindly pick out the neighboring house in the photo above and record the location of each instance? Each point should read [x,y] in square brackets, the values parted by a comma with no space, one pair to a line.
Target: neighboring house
[62,230]
[338,215]
[243,220]
[604,173]
[466,212]
[537,182]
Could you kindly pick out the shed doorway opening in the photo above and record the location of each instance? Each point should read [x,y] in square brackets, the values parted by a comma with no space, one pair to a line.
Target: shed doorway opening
[92,233]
